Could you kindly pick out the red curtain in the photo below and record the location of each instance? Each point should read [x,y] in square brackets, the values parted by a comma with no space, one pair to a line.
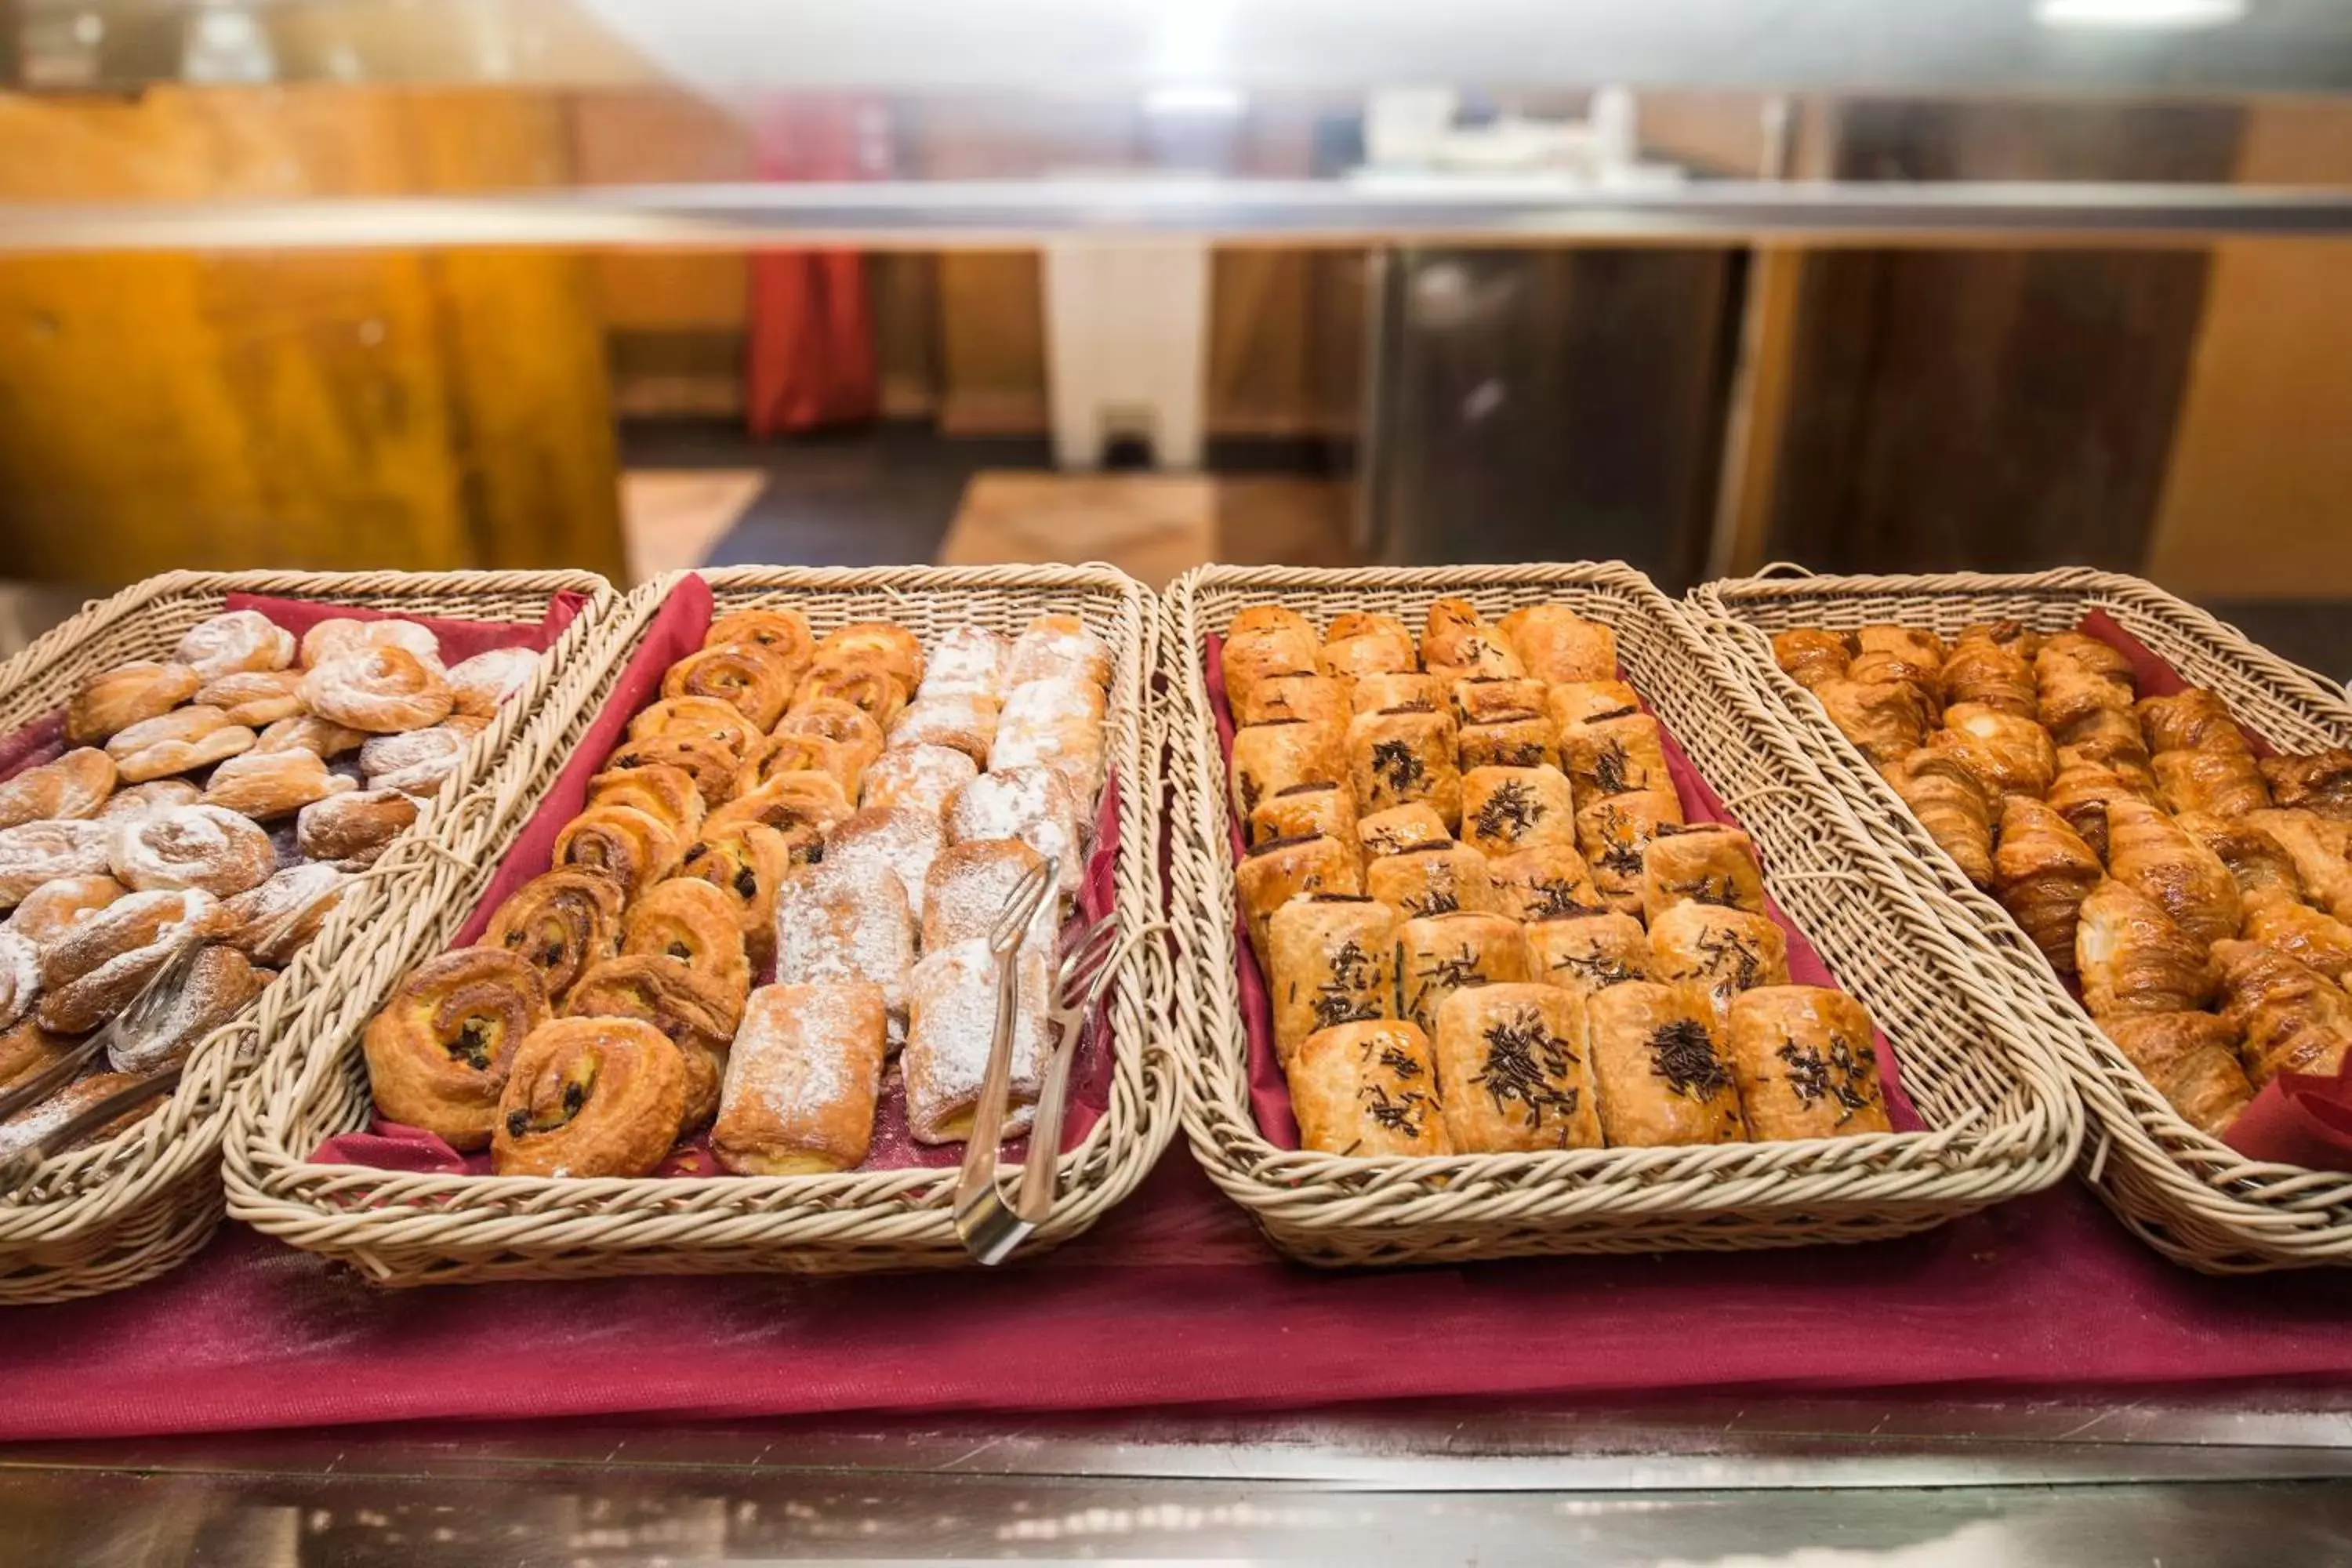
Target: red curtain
[810,361]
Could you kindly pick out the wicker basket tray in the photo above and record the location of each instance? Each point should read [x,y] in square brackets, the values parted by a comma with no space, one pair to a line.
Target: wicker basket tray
[2191,1197]
[131,1206]
[2000,1119]
[402,1230]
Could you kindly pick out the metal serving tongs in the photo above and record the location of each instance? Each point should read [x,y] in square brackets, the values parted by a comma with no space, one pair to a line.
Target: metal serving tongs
[990,1227]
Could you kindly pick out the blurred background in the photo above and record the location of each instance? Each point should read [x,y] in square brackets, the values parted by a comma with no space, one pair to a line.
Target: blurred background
[641,284]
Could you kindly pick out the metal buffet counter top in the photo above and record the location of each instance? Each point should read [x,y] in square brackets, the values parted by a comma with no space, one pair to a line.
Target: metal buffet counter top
[2257,1475]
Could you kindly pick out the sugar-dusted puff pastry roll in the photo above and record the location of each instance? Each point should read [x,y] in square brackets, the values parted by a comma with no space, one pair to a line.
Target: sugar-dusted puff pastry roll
[2192,1060]
[1399,828]
[923,777]
[1266,641]
[802,1080]
[832,925]
[695,1013]
[1507,809]
[2190,719]
[966,659]
[1058,722]
[1303,809]
[1433,878]
[1803,1057]
[2041,874]
[560,922]
[2010,756]
[1615,832]
[2292,1017]
[1705,863]
[1367,1088]
[1440,954]
[1985,667]
[1945,794]
[1810,655]
[2219,782]
[1033,804]
[2300,932]
[2080,794]
[1334,962]
[1483,699]
[2072,689]
[2321,849]
[1614,756]
[1269,758]
[1459,641]
[900,839]
[1555,644]
[440,1050]
[1585,954]
[1725,950]
[590,1096]
[1369,645]
[967,886]
[1549,881]
[1885,720]
[1058,646]
[1400,691]
[964,720]
[2261,864]
[1514,1072]
[1300,694]
[1529,741]
[1273,873]
[2133,959]
[1397,758]
[1907,653]
[1573,702]
[2146,850]
[2318,782]
[1659,1068]
[951,1018]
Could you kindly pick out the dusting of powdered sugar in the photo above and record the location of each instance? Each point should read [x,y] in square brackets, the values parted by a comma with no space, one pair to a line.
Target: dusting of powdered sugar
[965,720]
[218,983]
[901,839]
[925,778]
[832,925]
[952,1022]
[1058,645]
[967,659]
[795,1057]
[968,889]
[1034,804]
[20,977]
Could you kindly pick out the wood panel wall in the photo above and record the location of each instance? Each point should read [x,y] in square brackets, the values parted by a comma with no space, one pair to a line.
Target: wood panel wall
[366,409]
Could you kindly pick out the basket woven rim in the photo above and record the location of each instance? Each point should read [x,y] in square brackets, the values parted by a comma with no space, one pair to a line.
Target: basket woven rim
[279,1191]
[1267,1178]
[92,1192]
[2144,1159]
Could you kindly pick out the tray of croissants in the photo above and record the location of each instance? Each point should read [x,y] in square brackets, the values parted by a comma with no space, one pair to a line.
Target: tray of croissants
[2190,883]
[226,796]
[756,927]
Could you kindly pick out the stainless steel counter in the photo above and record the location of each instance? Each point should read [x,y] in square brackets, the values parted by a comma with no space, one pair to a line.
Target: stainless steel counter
[2258,1477]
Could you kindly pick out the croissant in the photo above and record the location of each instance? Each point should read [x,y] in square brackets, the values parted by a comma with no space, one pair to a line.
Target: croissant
[2187,721]
[2262,865]
[1990,673]
[1809,656]
[2191,1059]
[1885,720]
[2015,636]
[2318,846]
[2146,850]
[1908,653]
[2218,783]
[1952,805]
[2300,932]
[2080,794]
[2133,959]
[2294,1018]
[2319,782]
[2042,873]
[2010,756]
[2093,655]
[2071,693]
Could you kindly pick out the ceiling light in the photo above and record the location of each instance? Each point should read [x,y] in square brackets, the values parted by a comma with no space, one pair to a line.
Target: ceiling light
[2170,15]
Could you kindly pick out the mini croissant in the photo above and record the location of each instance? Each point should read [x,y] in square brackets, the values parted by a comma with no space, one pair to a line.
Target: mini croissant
[2148,851]
[2133,959]
[2294,1018]
[2042,873]
[1944,793]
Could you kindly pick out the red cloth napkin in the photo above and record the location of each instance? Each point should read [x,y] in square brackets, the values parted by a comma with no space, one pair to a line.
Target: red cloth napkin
[1270,1090]
[2296,1118]
[675,630]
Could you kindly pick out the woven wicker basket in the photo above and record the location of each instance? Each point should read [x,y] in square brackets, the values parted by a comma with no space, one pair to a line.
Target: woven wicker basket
[405,1229]
[2001,1119]
[2191,1197]
[133,1205]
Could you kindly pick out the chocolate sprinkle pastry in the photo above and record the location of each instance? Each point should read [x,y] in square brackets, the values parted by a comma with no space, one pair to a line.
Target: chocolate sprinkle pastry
[1509,811]
[1458,971]
[1811,1076]
[1609,770]
[1556,901]
[1598,968]
[1717,890]
[1722,945]
[1683,1053]
[1523,1058]
[1397,764]
[1624,858]
[1398,1060]
[1400,1113]
[1341,999]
